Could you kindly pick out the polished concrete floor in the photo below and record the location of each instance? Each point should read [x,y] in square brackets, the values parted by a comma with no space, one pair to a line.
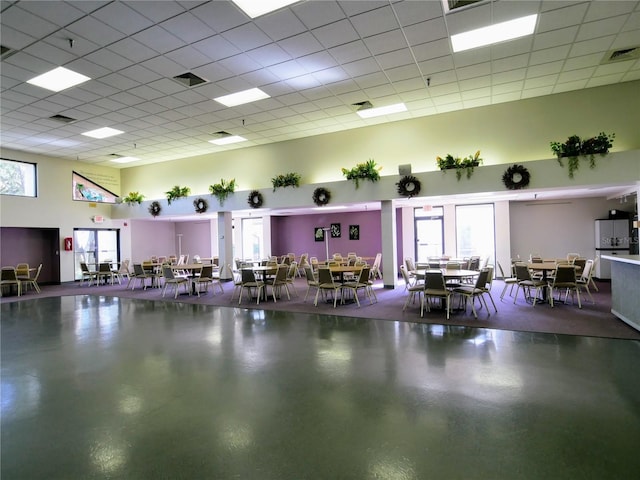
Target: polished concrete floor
[114,388]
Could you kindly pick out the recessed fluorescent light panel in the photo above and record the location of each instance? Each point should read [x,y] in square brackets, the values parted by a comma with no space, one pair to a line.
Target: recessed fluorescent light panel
[125,159]
[103,132]
[255,8]
[239,98]
[228,140]
[58,79]
[378,111]
[500,32]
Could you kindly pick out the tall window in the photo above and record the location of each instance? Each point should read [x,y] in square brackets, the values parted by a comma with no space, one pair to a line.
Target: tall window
[17,178]
[475,231]
[252,238]
[429,233]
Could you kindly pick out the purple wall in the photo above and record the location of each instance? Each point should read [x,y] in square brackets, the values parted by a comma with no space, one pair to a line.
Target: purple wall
[295,234]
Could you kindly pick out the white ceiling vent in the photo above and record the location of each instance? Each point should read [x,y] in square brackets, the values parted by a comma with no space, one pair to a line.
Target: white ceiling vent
[621,55]
[189,79]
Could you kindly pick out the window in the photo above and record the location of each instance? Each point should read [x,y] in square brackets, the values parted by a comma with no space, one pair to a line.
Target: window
[429,233]
[87,191]
[475,231]
[17,178]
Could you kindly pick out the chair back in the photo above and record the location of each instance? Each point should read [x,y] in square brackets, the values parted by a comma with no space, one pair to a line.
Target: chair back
[325,276]
[292,270]
[124,266]
[104,267]
[586,271]
[522,272]
[308,273]
[206,272]
[84,267]
[247,275]
[474,263]
[281,273]
[363,278]
[405,275]
[9,274]
[483,277]
[137,270]
[410,264]
[565,274]
[502,275]
[434,280]
[22,269]
[453,266]
[167,272]
[35,277]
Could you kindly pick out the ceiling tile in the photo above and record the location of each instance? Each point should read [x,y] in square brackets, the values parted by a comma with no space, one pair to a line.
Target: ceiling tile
[335,34]
[124,19]
[247,37]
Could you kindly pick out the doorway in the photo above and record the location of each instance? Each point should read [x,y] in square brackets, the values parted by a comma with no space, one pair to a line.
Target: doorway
[429,228]
[95,245]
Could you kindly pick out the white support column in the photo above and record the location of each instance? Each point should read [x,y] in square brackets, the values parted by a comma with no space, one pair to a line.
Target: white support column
[225,243]
[389,244]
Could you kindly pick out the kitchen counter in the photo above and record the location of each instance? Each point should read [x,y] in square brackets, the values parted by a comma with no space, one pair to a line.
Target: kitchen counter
[625,288]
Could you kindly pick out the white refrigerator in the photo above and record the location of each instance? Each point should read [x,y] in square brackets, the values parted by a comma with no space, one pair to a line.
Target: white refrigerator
[612,238]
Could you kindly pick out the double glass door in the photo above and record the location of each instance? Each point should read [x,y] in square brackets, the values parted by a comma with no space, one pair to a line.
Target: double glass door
[429,228]
[93,245]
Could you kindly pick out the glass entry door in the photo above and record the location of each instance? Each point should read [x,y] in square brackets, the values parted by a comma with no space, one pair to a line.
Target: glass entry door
[429,228]
[93,245]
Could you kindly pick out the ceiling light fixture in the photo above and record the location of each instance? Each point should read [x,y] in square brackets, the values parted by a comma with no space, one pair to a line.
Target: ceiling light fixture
[58,79]
[225,138]
[239,98]
[104,132]
[125,159]
[367,110]
[255,8]
[499,32]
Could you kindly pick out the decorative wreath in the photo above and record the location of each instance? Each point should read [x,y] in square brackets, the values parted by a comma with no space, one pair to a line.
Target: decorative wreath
[201,205]
[408,186]
[321,196]
[154,209]
[255,199]
[516,177]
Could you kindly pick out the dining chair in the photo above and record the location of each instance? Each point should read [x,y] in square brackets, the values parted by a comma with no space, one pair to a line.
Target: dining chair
[9,278]
[312,281]
[250,283]
[564,279]
[507,281]
[291,277]
[527,282]
[105,272]
[32,281]
[88,275]
[122,271]
[435,287]
[204,278]
[278,281]
[479,290]
[361,283]
[174,281]
[141,275]
[375,267]
[22,271]
[586,279]
[237,281]
[326,283]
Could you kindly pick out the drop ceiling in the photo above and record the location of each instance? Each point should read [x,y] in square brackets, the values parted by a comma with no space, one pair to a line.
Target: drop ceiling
[315,59]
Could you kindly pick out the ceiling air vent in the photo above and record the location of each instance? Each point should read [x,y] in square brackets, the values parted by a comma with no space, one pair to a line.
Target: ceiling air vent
[451,5]
[621,55]
[189,79]
[6,52]
[62,118]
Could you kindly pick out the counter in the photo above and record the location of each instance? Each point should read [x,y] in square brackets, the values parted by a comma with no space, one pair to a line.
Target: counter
[625,288]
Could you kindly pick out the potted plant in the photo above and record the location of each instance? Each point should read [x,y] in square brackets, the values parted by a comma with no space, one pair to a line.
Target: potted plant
[223,189]
[287,180]
[363,171]
[177,192]
[133,197]
[460,165]
[574,148]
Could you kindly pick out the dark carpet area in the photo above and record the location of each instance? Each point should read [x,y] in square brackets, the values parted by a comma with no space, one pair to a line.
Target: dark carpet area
[594,319]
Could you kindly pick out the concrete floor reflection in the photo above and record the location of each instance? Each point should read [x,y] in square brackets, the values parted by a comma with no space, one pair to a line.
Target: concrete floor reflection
[101,387]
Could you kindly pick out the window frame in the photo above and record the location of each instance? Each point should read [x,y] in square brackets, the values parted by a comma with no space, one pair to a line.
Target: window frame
[35,177]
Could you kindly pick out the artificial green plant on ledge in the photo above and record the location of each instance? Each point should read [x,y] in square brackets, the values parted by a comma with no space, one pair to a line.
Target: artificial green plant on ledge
[460,165]
[223,189]
[287,180]
[133,197]
[574,148]
[177,192]
[363,171]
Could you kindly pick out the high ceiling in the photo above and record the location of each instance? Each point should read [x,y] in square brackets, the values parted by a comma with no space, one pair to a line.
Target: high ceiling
[315,59]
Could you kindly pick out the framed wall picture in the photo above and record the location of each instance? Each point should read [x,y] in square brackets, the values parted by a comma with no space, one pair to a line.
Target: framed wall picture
[318,234]
[354,232]
[335,230]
